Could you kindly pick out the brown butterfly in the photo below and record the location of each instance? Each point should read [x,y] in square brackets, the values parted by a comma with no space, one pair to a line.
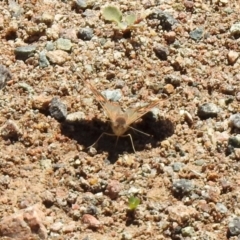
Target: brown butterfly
[120,120]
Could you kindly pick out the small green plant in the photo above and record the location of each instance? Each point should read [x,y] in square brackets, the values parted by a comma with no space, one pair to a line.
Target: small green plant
[111,13]
[133,203]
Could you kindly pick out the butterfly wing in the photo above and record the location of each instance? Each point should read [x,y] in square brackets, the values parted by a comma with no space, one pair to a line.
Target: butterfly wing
[112,110]
[135,113]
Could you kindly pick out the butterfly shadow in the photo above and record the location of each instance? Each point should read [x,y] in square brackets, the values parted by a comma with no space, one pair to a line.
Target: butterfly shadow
[87,132]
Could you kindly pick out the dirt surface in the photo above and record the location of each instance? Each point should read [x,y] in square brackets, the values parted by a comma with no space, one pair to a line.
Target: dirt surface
[185,171]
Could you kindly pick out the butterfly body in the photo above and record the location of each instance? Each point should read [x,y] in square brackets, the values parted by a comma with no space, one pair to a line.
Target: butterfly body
[119,126]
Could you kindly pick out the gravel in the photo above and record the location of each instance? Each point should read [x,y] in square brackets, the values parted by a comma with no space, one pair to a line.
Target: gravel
[85,34]
[24,52]
[196,34]
[208,110]
[58,109]
[185,170]
[5,76]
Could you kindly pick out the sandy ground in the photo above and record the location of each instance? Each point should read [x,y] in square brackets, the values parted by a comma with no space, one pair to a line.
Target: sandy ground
[185,171]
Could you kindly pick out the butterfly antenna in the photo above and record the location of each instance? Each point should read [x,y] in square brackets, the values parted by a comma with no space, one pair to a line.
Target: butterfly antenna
[140,131]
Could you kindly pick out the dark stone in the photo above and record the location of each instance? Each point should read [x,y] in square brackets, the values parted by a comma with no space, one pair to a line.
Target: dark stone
[57,109]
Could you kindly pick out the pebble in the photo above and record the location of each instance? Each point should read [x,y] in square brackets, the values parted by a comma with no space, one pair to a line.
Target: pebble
[170,36]
[10,130]
[75,117]
[234,121]
[187,116]
[92,210]
[230,150]
[181,214]
[57,56]
[24,203]
[91,221]
[112,95]
[49,46]
[234,226]
[155,113]
[24,224]
[177,44]
[146,168]
[173,79]
[167,21]
[57,109]
[238,96]
[211,193]
[81,4]
[228,89]
[4,180]
[182,187]
[157,87]
[70,34]
[234,141]
[161,52]
[168,89]
[26,87]
[221,126]
[41,102]
[35,31]
[53,32]
[165,144]
[232,57]
[64,44]
[237,153]
[199,162]
[92,151]
[72,197]
[47,198]
[16,9]
[85,34]
[179,63]
[196,34]
[12,29]
[113,189]
[188,231]
[235,30]
[110,75]
[1,23]
[189,5]
[56,227]
[221,208]
[178,148]
[120,84]
[208,110]
[127,236]
[133,190]
[177,166]
[24,52]
[42,60]
[47,18]
[5,76]
[46,164]
[61,196]
[87,198]
[69,227]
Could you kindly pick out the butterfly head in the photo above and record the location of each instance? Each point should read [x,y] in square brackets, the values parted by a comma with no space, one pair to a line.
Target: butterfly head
[119,126]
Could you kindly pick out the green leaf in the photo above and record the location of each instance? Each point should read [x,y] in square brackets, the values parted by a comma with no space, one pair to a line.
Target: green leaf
[112,13]
[130,19]
[122,25]
[133,202]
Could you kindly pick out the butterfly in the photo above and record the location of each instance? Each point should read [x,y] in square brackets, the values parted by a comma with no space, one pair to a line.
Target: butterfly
[120,120]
